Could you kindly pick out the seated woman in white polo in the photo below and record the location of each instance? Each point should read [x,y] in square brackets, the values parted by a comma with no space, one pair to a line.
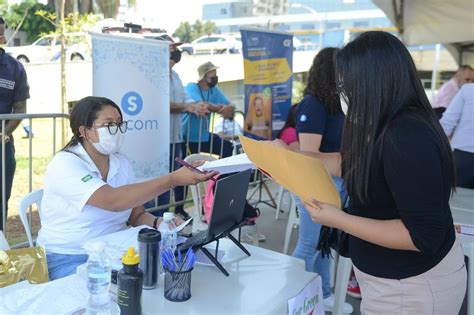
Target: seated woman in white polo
[89,188]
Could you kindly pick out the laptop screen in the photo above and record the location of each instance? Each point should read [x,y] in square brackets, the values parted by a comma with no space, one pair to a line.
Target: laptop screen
[229,202]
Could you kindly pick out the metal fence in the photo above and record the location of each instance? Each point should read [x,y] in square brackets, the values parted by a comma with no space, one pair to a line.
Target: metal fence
[214,120]
[54,136]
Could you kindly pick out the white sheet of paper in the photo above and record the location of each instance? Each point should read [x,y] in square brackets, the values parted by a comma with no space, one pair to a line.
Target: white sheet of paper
[65,295]
[180,227]
[116,244]
[236,163]
[309,301]
[467,229]
[202,259]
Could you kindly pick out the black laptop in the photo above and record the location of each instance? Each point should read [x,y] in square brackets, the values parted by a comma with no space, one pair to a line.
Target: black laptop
[227,211]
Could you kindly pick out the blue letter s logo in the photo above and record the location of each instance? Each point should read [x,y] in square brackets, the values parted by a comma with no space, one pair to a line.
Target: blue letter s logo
[132,103]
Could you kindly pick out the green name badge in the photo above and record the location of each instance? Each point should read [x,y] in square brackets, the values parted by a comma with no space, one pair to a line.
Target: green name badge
[86,178]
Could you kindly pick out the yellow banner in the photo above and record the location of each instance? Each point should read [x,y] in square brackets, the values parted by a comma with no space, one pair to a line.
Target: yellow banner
[266,71]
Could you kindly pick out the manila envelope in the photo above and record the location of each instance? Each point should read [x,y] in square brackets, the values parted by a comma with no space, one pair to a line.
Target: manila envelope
[303,175]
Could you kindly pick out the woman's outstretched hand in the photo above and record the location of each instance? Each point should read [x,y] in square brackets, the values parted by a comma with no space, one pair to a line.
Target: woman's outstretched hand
[185,176]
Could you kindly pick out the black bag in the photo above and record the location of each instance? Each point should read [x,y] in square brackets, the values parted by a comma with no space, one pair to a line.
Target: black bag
[334,238]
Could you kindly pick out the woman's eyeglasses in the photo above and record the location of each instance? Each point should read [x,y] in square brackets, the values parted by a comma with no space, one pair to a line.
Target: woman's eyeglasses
[115,127]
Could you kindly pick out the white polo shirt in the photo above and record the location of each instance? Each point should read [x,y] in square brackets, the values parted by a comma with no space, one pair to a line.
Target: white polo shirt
[70,180]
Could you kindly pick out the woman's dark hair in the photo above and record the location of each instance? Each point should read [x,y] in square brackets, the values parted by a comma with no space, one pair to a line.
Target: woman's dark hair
[322,82]
[84,113]
[378,79]
[290,120]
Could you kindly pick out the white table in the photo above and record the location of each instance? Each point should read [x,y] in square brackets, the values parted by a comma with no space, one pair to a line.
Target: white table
[259,284]
[462,209]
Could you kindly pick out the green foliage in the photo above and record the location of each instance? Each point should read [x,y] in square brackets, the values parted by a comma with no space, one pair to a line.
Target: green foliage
[33,25]
[187,32]
[297,91]
[3,7]
[74,22]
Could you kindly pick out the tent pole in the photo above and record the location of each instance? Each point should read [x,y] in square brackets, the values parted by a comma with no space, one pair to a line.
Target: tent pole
[434,74]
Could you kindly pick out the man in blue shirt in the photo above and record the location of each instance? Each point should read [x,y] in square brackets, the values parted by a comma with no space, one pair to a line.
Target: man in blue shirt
[14,91]
[196,129]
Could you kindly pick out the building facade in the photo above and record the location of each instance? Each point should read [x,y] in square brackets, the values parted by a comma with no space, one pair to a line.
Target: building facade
[314,22]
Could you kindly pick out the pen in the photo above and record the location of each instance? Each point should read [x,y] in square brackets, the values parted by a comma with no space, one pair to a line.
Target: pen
[191,167]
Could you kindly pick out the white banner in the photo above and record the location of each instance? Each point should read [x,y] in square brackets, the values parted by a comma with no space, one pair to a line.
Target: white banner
[134,73]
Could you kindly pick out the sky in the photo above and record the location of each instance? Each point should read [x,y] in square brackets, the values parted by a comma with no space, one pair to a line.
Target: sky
[165,14]
[168,14]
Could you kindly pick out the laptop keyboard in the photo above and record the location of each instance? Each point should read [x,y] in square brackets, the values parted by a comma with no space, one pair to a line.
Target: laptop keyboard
[193,241]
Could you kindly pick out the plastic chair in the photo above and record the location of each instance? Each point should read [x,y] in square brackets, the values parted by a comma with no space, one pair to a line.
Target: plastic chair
[462,209]
[343,272]
[3,242]
[281,192]
[26,202]
[197,193]
[292,221]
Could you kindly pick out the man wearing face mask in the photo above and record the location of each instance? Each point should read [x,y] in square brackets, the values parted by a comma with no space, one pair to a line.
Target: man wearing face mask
[180,103]
[14,91]
[196,129]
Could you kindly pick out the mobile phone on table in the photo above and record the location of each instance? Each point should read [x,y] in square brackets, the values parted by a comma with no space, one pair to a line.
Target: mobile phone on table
[191,167]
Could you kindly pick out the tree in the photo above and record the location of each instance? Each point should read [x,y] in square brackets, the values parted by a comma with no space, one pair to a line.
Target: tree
[109,8]
[33,25]
[183,32]
[73,22]
[187,33]
[3,7]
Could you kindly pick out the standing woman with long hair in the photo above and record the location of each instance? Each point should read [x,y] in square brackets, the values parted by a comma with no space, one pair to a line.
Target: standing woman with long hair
[398,168]
[319,123]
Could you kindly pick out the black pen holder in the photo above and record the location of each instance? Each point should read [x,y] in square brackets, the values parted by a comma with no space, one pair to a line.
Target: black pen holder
[177,285]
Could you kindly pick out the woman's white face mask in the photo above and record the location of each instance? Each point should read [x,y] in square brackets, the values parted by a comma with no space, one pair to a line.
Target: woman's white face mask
[108,143]
[344,106]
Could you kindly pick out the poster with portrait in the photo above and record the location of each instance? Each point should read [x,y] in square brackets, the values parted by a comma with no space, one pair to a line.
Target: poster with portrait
[268,79]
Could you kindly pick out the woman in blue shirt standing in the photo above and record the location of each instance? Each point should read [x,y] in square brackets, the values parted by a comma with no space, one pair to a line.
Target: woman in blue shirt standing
[319,122]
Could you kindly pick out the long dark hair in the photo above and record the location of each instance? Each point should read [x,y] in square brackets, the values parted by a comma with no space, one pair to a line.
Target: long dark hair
[84,113]
[377,77]
[322,83]
[290,120]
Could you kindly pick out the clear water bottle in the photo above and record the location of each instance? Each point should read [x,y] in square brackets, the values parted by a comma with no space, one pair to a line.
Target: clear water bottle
[168,232]
[98,280]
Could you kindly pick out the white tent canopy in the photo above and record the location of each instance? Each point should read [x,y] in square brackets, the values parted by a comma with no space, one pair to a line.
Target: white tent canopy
[447,22]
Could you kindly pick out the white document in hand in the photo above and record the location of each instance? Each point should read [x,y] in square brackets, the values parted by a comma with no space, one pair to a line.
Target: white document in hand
[236,163]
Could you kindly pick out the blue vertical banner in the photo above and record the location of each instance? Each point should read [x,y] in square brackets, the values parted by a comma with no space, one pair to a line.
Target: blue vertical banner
[268,79]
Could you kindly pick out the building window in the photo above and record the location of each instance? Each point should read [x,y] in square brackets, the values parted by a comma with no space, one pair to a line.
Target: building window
[223,11]
[308,26]
[332,25]
[361,24]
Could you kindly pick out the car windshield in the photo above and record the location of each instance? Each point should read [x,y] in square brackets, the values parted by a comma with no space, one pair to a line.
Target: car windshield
[46,41]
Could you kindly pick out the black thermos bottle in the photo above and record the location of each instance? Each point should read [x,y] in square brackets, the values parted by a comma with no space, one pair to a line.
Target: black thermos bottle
[129,282]
[149,249]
